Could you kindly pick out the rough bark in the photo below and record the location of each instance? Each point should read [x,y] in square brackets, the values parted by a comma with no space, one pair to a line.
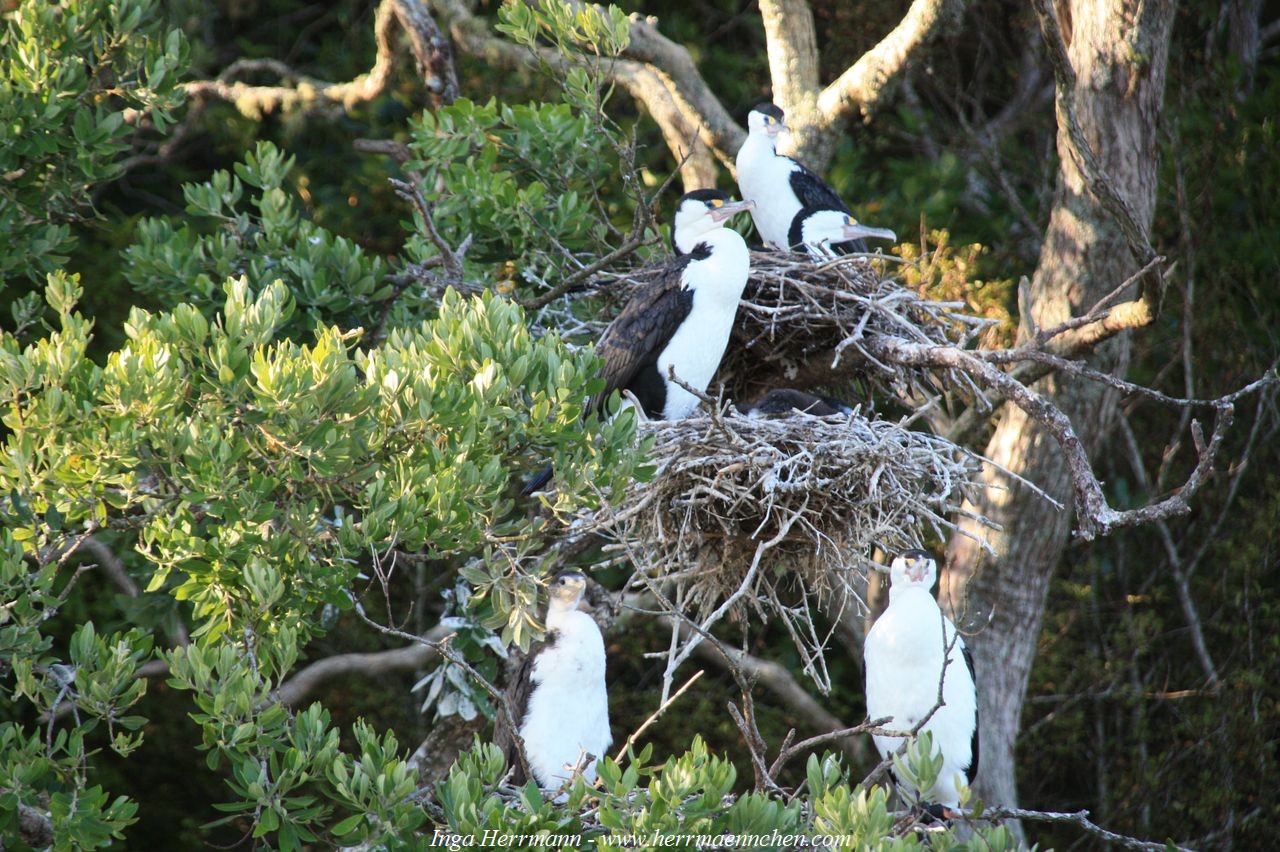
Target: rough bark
[1118,50]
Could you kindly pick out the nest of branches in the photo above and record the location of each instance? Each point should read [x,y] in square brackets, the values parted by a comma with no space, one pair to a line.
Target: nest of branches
[773,512]
[800,317]
[803,322]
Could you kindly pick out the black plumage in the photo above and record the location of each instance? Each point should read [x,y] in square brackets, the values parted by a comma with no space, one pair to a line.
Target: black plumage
[630,346]
[782,401]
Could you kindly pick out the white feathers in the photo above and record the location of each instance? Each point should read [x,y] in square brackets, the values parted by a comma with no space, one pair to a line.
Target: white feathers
[765,178]
[698,344]
[904,652]
[568,712]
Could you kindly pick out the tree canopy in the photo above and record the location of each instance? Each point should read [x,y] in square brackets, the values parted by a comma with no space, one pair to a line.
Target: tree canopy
[300,293]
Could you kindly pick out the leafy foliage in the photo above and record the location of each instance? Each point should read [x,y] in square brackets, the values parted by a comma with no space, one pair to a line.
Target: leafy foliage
[76,74]
[262,238]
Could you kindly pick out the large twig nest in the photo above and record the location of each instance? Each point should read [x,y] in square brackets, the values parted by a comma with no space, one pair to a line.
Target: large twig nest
[748,510]
[800,318]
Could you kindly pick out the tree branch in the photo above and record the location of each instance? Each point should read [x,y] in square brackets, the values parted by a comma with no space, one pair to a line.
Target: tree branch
[1180,579]
[1096,177]
[431,49]
[300,687]
[779,681]
[866,83]
[1095,517]
[792,47]
[671,89]
[1080,818]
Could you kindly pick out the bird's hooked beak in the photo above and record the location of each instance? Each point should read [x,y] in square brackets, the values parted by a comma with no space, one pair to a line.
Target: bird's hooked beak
[776,129]
[730,208]
[917,570]
[854,231]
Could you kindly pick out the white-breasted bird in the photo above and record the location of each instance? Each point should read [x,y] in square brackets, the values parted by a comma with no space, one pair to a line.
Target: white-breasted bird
[783,189]
[904,654]
[558,694]
[680,319]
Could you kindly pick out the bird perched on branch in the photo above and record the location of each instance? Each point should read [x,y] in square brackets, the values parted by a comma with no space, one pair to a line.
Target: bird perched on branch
[791,201]
[911,650]
[680,320]
[558,694]
[787,400]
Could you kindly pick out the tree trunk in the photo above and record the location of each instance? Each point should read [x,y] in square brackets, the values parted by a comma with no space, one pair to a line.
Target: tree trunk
[1119,50]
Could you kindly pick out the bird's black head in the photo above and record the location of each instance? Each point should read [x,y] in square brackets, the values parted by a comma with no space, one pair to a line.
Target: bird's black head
[769,109]
[765,119]
[914,567]
[701,211]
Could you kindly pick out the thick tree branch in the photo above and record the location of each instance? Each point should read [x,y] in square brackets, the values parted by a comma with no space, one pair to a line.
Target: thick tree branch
[793,51]
[302,685]
[865,84]
[299,92]
[680,117]
[1096,177]
[687,89]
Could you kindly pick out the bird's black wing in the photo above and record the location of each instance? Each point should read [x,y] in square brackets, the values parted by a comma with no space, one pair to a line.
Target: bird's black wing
[812,191]
[646,324]
[972,771]
[519,691]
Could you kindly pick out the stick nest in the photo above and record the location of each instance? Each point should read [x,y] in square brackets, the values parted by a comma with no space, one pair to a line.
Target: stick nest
[751,510]
[800,317]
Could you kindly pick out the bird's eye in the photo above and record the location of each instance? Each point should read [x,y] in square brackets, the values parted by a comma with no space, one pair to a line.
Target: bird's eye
[716,202]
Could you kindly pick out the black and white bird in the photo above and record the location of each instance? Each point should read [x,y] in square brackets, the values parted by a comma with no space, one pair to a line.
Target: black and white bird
[680,319]
[783,190]
[904,653]
[820,232]
[558,694]
[785,401]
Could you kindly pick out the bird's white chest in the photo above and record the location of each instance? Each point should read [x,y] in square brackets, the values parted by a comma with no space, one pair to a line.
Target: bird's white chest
[904,655]
[697,347]
[765,178]
[568,710]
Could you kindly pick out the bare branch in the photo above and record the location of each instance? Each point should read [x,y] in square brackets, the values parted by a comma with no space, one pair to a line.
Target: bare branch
[653,717]
[1095,516]
[792,47]
[299,92]
[1080,818]
[569,282]
[450,257]
[865,84]
[784,687]
[1180,579]
[300,687]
